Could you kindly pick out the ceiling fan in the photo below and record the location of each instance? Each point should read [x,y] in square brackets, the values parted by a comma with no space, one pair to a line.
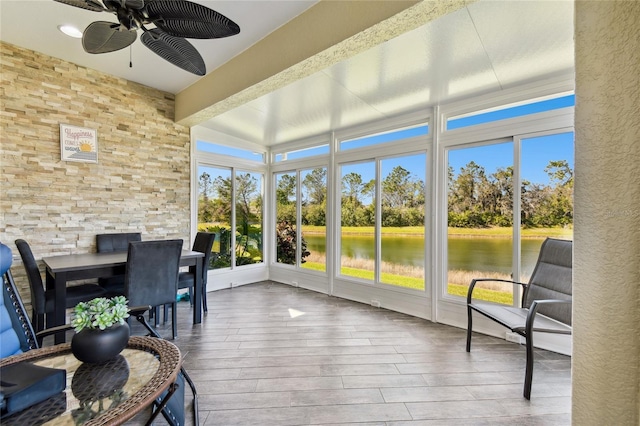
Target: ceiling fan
[173,21]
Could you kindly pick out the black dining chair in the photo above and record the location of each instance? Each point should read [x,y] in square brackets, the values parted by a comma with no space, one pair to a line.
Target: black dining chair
[109,243]
[42,301]
[186,279]
[151,276]
[203,244]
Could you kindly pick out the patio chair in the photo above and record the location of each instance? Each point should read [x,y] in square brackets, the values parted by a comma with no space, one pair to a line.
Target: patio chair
[546,301]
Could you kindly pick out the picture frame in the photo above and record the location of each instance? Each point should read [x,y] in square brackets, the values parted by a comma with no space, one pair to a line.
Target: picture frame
[78,144]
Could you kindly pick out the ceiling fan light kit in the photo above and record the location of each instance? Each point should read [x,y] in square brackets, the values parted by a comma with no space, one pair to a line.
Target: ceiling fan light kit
[173,21]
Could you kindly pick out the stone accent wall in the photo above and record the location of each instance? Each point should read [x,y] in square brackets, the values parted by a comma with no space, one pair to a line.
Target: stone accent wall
[141,181]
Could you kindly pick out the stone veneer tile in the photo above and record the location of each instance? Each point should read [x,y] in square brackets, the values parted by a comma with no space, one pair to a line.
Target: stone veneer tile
[141,181]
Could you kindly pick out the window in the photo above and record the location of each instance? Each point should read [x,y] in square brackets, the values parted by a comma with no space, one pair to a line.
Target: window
[357,230]
[509,111]
[547,194]
[217,191]
[248,196]
[385,137]
[480,218]
[301,240]
[214,148]
[302,153]
[214,211]
[314,217]
[286,218]
[402,230]
[400,260]
[484,212]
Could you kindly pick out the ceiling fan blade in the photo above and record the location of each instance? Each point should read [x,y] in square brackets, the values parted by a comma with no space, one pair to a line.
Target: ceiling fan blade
[124,4]
[182,18]
[104,37]
[92,5]
[176,50]
[134,4]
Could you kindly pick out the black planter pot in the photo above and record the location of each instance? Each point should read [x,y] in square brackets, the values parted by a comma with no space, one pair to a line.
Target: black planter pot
[96,346]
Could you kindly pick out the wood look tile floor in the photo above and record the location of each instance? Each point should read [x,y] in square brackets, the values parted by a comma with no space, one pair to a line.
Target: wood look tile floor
[270,354]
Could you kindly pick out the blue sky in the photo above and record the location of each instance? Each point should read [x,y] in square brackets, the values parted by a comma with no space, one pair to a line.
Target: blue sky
[535,152]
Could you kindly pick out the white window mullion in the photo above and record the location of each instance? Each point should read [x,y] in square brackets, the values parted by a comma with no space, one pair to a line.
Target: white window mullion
[377,193]
[517,188]
[232,233]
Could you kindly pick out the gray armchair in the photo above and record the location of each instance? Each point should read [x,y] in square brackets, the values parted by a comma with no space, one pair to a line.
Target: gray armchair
[546,301]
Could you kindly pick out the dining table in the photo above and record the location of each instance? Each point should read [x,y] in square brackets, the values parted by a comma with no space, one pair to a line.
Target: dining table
[62,269]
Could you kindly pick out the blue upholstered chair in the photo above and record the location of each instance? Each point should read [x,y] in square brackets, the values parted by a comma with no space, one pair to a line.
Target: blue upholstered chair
[16,332]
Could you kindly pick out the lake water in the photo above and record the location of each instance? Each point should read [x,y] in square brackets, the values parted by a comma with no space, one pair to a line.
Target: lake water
[470,254]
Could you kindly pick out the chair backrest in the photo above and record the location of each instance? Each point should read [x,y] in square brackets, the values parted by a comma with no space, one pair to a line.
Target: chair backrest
[16,332]
[204,243]
[552,279]
[151,276]
[116,242]
[33,275]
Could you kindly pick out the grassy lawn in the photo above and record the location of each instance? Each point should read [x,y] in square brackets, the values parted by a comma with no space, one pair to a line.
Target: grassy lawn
[417,283]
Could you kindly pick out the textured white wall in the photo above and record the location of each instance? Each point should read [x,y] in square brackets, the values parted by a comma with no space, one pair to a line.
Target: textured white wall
[606,349]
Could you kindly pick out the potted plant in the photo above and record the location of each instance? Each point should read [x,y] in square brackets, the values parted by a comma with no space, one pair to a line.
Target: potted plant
[101,329]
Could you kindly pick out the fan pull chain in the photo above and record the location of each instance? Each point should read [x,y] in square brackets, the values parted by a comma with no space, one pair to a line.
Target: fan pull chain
[130,60]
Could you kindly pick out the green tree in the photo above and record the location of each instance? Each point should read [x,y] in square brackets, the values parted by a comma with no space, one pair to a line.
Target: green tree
[223,189]
[315,185]
[352,187]
[205,209]
[402,199]
[247,195]
[286,189]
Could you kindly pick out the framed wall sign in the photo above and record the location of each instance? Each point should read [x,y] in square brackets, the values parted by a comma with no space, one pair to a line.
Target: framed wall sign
[78,144]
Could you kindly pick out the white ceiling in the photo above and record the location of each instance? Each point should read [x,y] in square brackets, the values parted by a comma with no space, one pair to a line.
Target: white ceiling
[487,46]
[34,24]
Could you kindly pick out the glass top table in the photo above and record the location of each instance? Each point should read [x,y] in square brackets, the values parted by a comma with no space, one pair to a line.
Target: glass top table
[104,394]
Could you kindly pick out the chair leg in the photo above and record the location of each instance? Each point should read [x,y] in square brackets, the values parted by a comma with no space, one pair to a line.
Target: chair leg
[174,320]
[528,375]
[469,326]
[204,298]
[38,326]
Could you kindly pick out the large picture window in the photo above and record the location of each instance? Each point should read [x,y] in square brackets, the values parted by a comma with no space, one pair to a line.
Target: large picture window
[391,212]
[480,218]
[248,196]
[238,236]
[301,206]
[314,217]
[484,212]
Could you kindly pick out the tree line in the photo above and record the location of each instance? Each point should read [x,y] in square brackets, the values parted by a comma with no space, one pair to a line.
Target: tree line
[476,198]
